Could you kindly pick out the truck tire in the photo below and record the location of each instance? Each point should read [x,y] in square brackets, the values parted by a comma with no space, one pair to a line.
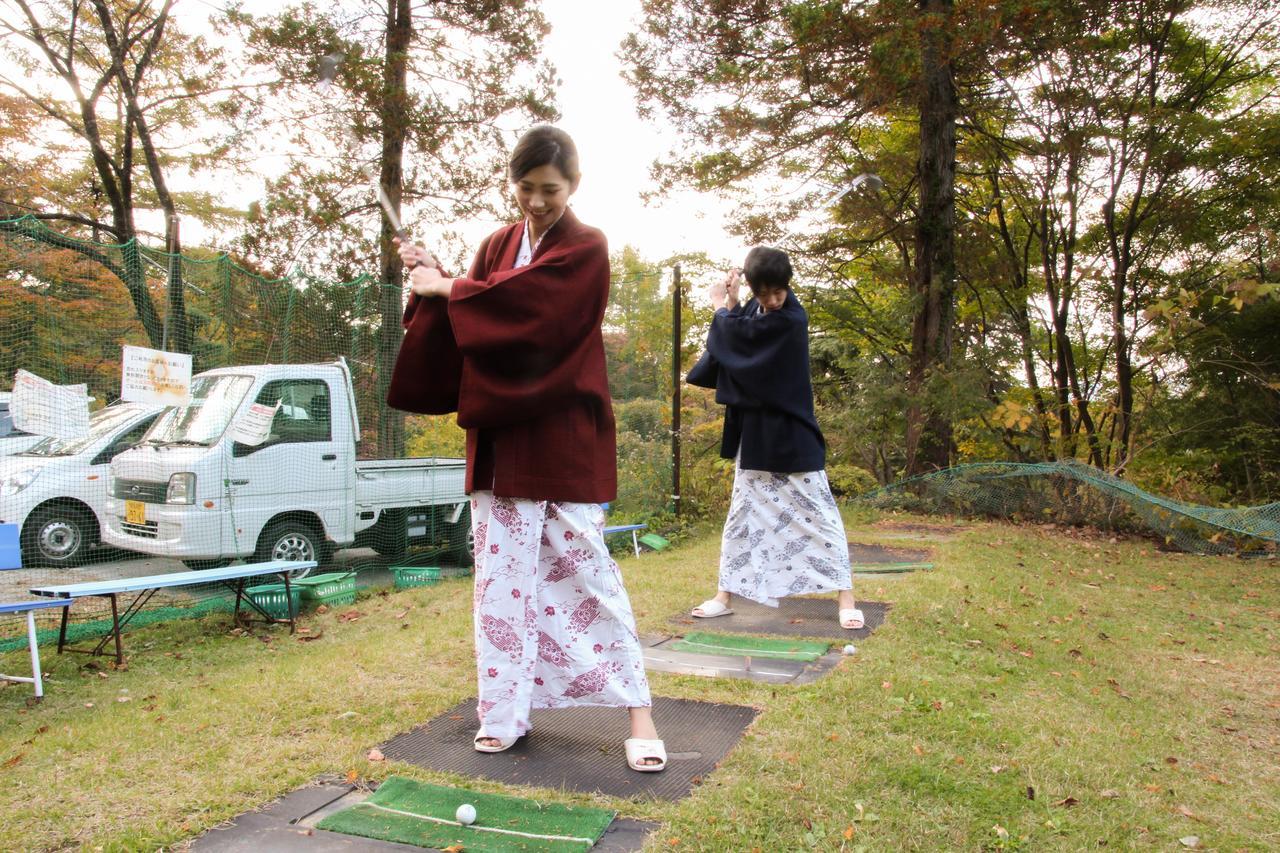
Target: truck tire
[58,535]
[463,534]
[391,539]
[292,539]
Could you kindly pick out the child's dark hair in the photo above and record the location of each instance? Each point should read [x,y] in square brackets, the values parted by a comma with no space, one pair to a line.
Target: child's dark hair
[544,145]
[767,268]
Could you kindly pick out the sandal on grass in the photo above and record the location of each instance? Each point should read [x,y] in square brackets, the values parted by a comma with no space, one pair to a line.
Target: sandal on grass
[711,608]
[504,743]
[639,748]
[851,618]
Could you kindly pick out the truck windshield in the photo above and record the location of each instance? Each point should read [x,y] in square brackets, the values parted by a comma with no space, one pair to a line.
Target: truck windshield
[214,401]
[101,423]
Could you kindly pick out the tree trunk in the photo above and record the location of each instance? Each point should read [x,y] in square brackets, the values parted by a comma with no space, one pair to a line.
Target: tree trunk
[928,439]
[394,123]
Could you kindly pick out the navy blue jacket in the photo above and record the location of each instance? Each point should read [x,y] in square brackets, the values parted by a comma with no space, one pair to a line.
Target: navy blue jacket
[758,363]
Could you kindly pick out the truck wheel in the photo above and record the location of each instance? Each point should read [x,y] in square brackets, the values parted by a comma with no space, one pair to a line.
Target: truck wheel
[292,540]
[58,535]
[465,551]
[391,539]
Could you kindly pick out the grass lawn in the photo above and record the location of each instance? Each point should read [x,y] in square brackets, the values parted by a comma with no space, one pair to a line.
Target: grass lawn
[1039,690]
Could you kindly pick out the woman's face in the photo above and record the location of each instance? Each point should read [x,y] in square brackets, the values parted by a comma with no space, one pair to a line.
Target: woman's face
[543,193]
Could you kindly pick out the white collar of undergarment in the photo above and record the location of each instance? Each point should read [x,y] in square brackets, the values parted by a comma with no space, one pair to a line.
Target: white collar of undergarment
[525,255]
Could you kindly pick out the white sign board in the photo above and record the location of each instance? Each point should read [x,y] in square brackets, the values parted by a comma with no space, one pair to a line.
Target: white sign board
[254,427]
[42,408]
[154,376]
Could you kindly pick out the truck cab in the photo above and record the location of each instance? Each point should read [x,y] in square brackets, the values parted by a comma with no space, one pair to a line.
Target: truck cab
[200,488]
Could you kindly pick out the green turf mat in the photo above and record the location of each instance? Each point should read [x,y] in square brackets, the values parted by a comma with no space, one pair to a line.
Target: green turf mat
[410,812]
[890,568]
[705,643]
[89,630]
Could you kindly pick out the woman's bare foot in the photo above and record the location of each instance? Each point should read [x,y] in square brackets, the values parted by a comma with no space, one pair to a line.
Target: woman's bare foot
[642,727]
[851,617]
[708,609]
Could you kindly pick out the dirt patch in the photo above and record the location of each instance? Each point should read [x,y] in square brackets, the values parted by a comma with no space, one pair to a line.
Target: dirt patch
[913,527]
[862,553]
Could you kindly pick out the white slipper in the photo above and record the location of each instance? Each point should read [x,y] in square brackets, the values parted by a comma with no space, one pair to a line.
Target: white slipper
[851,618]
[711,608]
[504,743]
[639,748]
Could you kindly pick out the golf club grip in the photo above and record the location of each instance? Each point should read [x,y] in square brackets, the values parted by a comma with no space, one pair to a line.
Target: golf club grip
[404,238]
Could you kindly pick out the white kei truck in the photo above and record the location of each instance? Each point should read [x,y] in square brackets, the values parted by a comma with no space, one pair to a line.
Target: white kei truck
[261,465]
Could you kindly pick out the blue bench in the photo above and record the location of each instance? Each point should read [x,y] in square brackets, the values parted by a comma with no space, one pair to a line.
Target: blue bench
[30,608]
[232,577]
[625,528]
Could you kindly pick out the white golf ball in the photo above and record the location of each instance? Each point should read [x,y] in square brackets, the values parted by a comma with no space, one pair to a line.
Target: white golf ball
[466,814]
[850,649]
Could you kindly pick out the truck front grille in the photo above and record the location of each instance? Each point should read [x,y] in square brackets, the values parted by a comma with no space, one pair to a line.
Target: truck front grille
[147,531]
[140,490]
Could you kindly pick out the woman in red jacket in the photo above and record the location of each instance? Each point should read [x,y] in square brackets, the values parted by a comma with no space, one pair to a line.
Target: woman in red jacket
[515,348]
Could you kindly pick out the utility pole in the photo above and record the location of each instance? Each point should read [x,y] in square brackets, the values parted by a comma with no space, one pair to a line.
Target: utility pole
[676,298]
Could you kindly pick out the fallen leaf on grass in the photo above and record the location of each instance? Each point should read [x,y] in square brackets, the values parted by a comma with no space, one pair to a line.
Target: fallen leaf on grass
[403,614]
[1067,802]
[315,635]
[1187,813]
[997,768]
[1109,794]
[917,749]
[351,777]
[349,616]
[15,761]
[1192,841]
[886,685]
[848,832]
[1115,685]
[453,848]
[1155,789]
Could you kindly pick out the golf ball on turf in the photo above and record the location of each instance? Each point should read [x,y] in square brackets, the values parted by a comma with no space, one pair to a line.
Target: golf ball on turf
[466,814]
[850,649]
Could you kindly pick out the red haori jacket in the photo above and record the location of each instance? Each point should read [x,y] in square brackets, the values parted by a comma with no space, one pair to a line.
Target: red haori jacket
[519,355]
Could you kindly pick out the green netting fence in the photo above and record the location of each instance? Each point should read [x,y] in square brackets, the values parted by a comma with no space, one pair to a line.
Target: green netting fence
[67,307]
[1077,494]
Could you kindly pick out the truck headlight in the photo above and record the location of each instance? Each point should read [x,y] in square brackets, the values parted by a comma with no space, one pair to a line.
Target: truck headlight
[16,481]
[182,489]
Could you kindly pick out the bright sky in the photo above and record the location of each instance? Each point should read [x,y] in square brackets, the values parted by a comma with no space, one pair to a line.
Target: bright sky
[616,147]
[598,109]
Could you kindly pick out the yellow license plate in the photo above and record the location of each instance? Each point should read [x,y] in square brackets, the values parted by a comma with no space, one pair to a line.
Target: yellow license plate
[135,512]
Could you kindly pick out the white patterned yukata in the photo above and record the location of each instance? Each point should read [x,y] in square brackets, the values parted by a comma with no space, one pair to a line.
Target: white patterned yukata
[784,536]
[553,623]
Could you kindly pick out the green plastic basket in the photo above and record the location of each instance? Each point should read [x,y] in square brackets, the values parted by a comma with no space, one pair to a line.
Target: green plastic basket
[271,598]
[410,576]
[331,588]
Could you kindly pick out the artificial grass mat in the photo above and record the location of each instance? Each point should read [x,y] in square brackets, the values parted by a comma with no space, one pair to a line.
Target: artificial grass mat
[706,643]
[410,812]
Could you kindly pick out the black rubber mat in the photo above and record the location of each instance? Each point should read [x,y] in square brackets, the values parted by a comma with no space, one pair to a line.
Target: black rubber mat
[862,553]
[793,617]
[580,749]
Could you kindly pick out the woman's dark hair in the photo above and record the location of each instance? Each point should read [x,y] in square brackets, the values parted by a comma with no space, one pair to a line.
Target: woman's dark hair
[767,268]
[542,145]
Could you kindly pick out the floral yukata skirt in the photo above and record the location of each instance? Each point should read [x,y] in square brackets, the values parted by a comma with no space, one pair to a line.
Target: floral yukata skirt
[553,624]
[784,536]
